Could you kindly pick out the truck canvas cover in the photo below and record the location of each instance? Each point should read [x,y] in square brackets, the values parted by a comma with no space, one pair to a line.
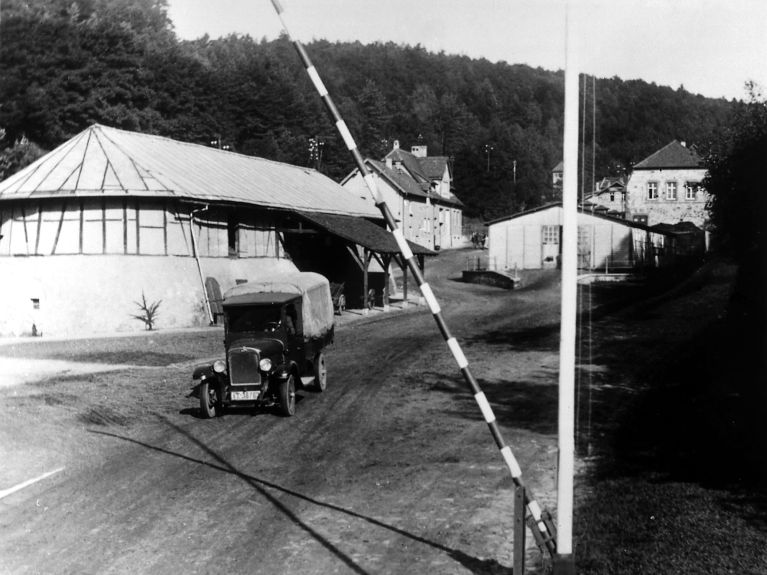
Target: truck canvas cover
[314,289]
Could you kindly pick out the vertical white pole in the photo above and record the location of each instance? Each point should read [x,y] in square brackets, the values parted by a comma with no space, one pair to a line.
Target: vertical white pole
[569,304]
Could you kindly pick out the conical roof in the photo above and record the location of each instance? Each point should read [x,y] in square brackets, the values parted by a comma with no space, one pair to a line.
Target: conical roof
[104,161]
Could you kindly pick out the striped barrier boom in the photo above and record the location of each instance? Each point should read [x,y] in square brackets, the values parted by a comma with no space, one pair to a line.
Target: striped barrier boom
[426,291]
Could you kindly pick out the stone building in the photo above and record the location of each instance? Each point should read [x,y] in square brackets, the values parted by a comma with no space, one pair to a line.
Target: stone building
[666,188]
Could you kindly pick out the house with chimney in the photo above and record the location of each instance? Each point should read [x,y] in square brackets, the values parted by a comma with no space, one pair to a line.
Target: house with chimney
[608,197]
[418,190]
[665,188]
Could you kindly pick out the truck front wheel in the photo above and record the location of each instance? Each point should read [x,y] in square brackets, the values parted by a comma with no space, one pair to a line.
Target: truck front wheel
[320,372]
[286,394]
[208,400]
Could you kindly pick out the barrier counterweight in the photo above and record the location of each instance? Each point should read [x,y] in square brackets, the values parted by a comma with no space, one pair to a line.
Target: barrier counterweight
[426,291]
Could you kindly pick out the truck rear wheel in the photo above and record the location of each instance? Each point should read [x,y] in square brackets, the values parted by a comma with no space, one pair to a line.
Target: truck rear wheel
[209,404]
[320,372]
[286,394]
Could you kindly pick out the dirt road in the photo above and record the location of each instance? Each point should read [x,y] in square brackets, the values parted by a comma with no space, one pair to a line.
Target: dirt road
[391,470]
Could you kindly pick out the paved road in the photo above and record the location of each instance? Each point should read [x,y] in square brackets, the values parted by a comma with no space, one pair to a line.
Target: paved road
[391,470]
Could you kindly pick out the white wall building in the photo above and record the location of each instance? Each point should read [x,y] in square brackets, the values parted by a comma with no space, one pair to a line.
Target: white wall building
[110,215]
[533,240]
[417,189]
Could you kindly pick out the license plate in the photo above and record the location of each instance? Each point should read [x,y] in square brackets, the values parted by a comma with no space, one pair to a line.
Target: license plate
[245,395]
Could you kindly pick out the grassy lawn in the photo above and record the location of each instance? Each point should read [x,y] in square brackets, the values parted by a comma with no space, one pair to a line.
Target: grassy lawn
[674,480]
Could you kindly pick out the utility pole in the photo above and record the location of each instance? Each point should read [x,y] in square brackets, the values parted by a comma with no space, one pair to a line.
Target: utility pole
[514,167]
[316,145]
[218,143]
[488,148]
[564,560]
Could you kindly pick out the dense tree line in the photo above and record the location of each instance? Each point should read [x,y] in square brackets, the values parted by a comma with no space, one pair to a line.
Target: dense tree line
[65,64]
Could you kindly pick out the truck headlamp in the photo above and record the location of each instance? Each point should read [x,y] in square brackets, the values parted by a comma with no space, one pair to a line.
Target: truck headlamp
[219,366]
[265,364]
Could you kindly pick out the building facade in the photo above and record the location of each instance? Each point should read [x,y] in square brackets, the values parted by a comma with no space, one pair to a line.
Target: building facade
[609,196]
[418,190]
[666,188]
[111,217]
[533,240]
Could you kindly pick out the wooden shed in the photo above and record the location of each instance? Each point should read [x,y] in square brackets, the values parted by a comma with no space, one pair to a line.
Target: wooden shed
[533,240]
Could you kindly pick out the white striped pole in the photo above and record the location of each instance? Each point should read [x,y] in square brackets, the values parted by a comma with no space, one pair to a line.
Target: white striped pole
[426,291]
[564,562]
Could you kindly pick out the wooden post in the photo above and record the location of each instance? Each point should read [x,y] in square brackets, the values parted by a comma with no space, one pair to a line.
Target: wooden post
[404,284]
[387,277]
[519,530]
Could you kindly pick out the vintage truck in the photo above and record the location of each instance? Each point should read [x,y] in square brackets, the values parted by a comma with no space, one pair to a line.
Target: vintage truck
[274,335]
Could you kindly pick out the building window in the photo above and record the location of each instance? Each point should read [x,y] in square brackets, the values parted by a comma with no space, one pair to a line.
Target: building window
[690,190]
[670,190]
[232,237]
[652,190]
[550,234]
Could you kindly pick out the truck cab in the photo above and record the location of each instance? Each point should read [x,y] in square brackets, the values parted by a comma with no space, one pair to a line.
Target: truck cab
[274,336]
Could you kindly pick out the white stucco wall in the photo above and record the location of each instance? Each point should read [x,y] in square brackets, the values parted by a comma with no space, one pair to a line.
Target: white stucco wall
[81,294]
[417,219]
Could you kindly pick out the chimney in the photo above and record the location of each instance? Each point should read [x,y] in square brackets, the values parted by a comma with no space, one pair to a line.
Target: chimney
[388,162]
[396,145]
[684,144]
[418,151]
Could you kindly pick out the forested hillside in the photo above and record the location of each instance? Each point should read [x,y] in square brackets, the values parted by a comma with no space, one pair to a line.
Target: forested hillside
[65,64]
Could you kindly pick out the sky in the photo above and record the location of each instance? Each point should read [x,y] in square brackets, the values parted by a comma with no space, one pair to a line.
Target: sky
[711,47]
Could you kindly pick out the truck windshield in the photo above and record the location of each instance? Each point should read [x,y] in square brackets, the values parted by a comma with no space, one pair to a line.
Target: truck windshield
[261,318]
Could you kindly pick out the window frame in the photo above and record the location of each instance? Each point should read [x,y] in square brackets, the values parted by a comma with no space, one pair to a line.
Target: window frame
[547,235]
[668,186]
[652,190]
[691,190]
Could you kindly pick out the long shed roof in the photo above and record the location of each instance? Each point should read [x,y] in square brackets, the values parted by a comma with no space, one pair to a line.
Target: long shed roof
[362,232]
[581,210]
[104,161]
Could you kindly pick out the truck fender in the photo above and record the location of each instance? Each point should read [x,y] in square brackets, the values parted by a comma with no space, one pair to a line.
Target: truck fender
[202,373]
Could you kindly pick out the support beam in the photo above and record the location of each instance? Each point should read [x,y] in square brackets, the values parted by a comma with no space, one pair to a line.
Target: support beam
[387,277]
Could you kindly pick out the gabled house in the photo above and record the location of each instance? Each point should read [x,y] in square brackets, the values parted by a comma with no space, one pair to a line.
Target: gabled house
[418,190]
[609,197]
[558,175]
[665,187]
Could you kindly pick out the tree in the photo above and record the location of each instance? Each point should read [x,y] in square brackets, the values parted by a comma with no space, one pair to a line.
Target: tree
[738,205]
[18,156]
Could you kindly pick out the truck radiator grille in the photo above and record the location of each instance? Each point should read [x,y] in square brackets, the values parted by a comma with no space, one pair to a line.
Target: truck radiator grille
[243,366]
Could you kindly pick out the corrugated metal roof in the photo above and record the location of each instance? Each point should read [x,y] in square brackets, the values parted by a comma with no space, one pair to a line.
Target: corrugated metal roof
[581,210]
[103,161]
[362,232]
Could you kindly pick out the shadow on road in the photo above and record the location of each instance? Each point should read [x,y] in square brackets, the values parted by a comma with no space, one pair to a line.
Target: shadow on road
[473,564]
[529,404]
